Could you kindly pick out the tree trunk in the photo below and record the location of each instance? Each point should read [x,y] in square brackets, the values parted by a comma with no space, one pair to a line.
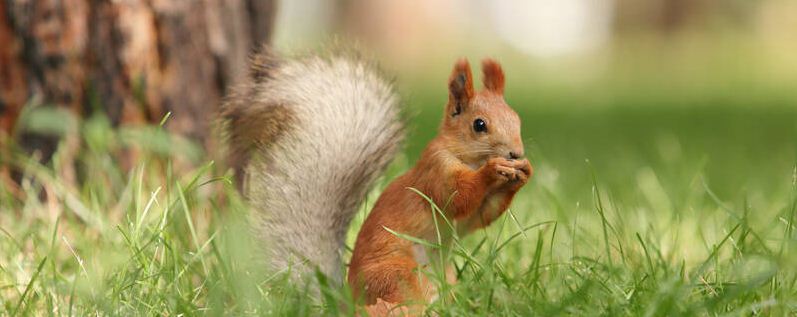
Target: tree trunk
[134,60]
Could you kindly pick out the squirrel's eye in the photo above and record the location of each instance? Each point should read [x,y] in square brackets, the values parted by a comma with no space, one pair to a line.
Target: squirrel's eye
[479,125]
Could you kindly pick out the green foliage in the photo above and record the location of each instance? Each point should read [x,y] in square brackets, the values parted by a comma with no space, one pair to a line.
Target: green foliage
[679,211]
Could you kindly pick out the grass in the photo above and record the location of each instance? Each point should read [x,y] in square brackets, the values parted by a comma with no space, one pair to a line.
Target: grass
[658,210]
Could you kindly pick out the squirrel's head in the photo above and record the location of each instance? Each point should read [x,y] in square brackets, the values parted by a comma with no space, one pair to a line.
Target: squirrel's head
[480,125]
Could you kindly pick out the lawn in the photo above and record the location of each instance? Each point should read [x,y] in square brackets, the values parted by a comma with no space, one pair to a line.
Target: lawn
[643,202]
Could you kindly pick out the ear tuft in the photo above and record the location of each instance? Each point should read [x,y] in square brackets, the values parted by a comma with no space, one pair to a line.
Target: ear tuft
[460,87]
[493,76]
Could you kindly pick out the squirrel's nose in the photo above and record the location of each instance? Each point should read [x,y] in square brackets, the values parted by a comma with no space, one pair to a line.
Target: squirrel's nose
[515,155]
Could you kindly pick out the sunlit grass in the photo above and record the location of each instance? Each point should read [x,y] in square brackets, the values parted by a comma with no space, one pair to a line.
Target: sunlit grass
[665,212]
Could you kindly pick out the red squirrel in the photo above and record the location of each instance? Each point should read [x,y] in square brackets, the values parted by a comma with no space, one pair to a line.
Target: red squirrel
[307,138]
[474,166]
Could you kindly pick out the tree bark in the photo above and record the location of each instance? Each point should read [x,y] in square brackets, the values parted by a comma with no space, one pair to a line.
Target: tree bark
[134,60]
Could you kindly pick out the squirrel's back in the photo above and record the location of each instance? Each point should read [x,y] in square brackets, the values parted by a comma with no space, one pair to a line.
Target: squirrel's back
[307,139]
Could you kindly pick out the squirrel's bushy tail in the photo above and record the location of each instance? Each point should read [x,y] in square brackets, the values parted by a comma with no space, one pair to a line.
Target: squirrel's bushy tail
[307,139]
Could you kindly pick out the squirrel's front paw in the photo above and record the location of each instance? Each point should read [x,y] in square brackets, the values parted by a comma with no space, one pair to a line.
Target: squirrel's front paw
[499,171]
[523,172]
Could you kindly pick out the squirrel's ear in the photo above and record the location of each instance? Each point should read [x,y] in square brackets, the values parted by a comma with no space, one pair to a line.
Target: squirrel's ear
[493,76]
[460,88]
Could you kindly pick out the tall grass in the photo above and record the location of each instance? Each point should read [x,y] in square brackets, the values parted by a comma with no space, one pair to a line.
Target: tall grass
[675,213]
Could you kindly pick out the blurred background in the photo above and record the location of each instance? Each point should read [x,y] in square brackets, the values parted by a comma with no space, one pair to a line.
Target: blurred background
[673,92]
[662,91]
[669,89]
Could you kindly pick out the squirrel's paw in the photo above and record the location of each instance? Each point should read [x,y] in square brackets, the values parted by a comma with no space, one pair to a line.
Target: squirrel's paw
[523,172]
[500,171]
[523,169]
[510,174]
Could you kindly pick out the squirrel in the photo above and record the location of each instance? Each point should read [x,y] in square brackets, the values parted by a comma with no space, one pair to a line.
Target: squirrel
[473,167]
[309,136]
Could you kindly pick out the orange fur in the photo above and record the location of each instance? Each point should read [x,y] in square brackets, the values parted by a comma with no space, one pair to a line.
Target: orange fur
[472,175]
[493,76]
